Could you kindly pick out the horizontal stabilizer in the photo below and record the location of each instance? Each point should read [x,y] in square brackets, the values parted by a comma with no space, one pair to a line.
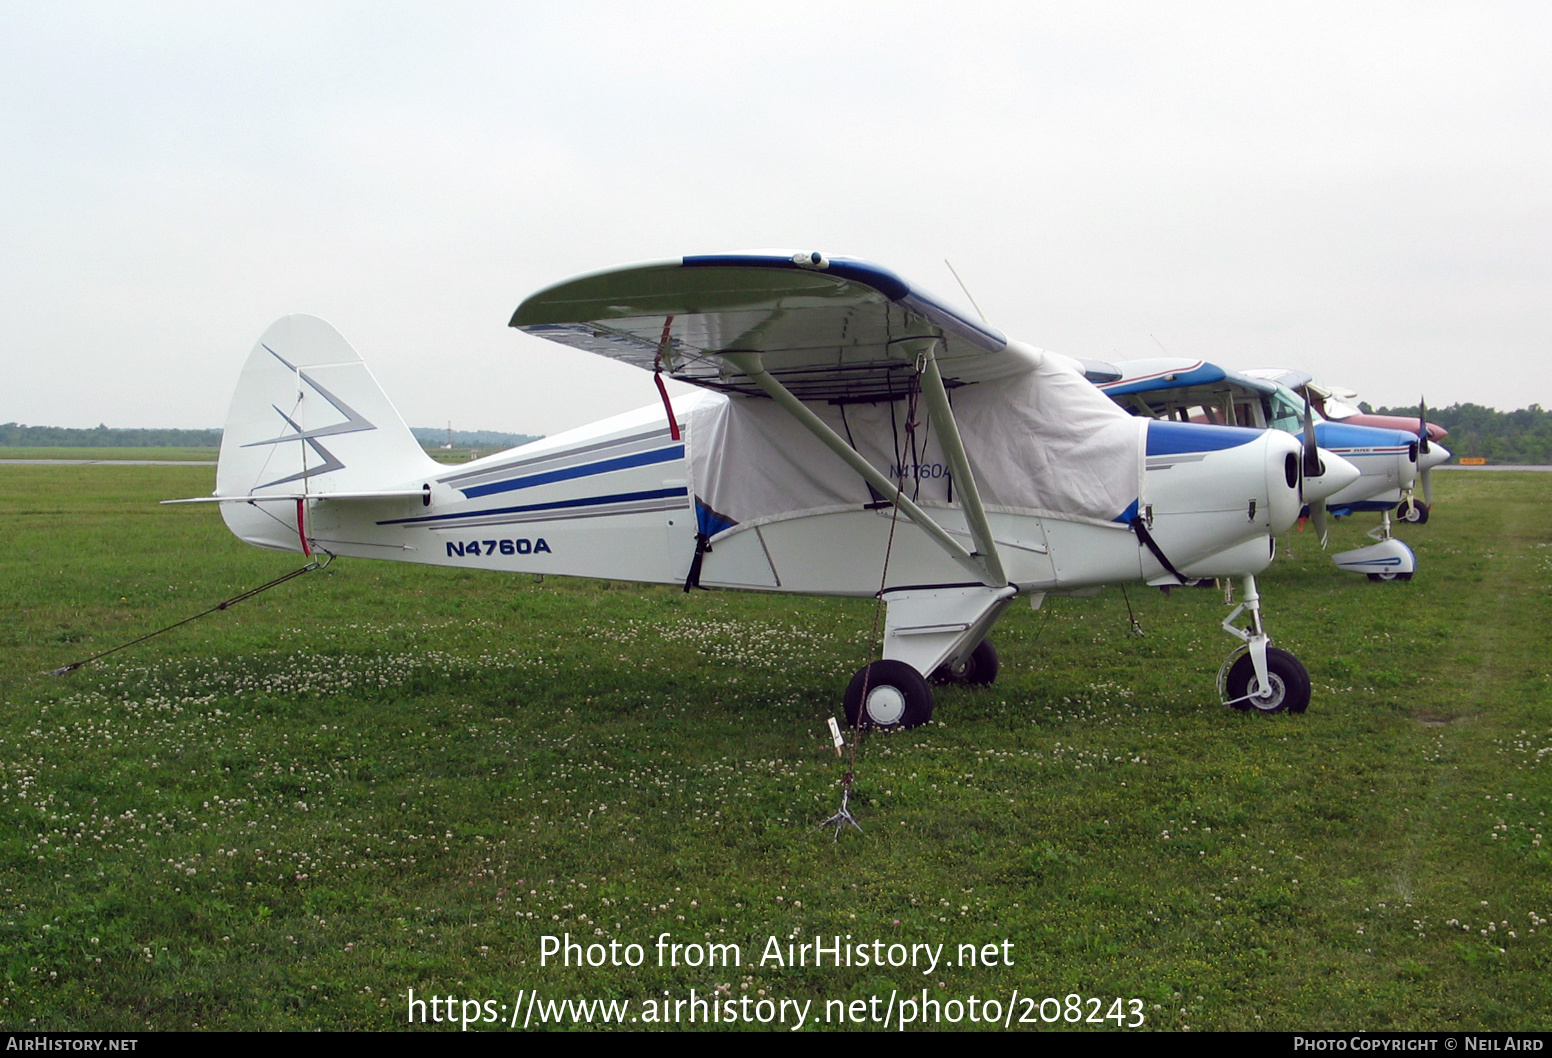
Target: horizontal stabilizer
[291,497]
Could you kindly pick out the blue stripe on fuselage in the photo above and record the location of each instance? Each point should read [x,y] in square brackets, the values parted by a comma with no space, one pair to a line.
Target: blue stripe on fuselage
[640,459]
[1166,438]
[558,505]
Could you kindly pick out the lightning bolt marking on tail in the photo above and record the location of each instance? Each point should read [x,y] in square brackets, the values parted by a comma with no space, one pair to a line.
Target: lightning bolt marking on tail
[354,422]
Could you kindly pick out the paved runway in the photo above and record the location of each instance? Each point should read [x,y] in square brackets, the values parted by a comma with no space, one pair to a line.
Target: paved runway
[1453,466]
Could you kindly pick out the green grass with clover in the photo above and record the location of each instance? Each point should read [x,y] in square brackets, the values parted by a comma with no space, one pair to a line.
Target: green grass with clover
[110,454]
[383,777]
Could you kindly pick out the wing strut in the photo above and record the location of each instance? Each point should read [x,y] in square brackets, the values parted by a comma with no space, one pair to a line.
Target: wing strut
[984,563]
[948,436]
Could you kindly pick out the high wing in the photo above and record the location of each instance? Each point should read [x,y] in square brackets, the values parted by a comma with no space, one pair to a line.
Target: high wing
[828,329]
[1290,377]
[807,331]
[1167,387]
[1178,374]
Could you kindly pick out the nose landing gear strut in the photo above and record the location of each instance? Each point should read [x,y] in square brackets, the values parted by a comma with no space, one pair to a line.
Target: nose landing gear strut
[1258,675]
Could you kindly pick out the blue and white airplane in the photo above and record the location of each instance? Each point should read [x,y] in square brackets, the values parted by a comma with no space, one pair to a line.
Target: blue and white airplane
[852,435]
[1338,404]
[1389,461]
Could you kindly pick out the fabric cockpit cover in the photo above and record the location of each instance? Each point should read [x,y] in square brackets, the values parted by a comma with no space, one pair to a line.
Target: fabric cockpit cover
[1041,442]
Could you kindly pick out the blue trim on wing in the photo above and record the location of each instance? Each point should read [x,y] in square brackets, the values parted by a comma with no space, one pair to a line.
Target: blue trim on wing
[868,274]
[1166,438]
[558,505]
[1170,380]
[639,459]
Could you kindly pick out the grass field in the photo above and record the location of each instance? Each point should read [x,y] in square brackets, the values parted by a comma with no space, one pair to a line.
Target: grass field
[191,454]
[461,455]
[380,778]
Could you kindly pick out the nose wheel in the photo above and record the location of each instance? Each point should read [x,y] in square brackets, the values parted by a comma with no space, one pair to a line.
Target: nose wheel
[1286,689]
[1258,675]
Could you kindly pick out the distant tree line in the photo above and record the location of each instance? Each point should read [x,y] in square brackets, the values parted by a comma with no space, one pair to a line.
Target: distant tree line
[19,435]
[492,440]
[1523,436]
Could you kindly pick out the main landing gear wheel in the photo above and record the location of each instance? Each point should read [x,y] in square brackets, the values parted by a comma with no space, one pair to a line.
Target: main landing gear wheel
[1289,690]
[1390,576]
[978,670]
[1412,511]
[897,697]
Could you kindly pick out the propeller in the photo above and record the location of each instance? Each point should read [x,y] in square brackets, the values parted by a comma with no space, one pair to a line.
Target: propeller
[1425,475]
[1311,467]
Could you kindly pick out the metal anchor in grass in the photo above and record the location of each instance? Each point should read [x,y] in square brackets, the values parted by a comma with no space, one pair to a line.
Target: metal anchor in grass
[843,818]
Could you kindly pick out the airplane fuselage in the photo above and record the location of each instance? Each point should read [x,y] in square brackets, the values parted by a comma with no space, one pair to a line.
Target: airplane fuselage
[613,500]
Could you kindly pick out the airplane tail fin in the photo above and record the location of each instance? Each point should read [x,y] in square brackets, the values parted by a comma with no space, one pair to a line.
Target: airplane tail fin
[308,421]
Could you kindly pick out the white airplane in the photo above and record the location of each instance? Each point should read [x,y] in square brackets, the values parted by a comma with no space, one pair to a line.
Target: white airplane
[854,436]
[1390,461]
[1339,404]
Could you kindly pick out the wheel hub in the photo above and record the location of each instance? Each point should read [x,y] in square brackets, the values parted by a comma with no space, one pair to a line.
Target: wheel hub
[1272,697]
[886,705]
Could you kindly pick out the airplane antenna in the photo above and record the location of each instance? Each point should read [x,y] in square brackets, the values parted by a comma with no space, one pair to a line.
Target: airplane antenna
[1159,344]
[966,289]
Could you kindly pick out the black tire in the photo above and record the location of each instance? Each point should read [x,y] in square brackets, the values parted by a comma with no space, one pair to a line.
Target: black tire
[898,697]
[1290,683]
[1412,512]
[1390,576]
[980,669]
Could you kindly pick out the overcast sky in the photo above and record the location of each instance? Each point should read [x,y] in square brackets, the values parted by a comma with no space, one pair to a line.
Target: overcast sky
[1360,190]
